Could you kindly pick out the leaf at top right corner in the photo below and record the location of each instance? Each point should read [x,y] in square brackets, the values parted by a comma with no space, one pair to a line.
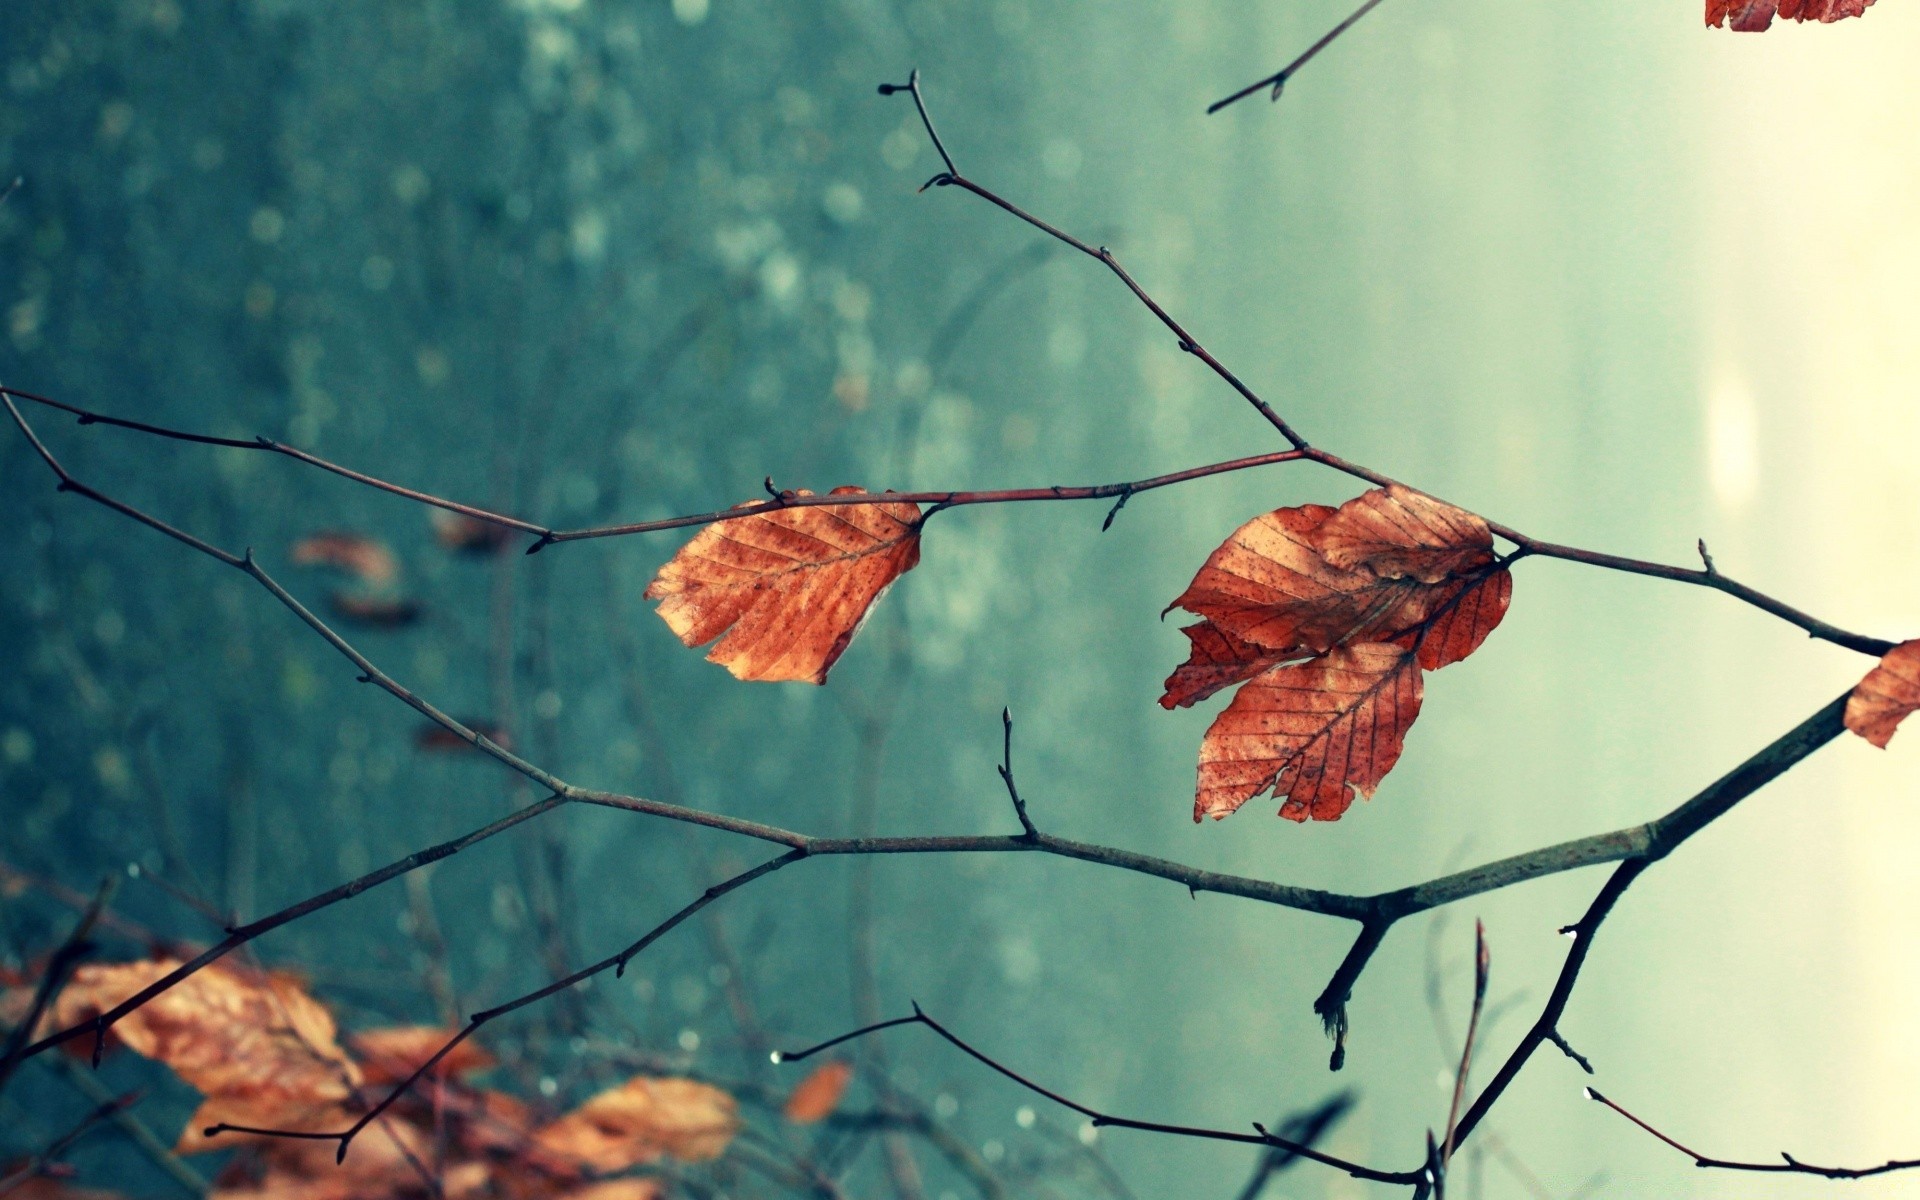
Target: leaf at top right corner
[1889,692]
[1755,16]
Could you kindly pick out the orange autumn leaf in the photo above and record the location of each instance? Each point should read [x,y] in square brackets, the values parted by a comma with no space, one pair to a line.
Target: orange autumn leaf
[1390,565]
[1889,692]
[493,1122]
[1312,732]
[392,1054]
[815,1097]
[630,1188]
[1398,533]
[1216,659]
[641,1121]
[1754,16]
[788,587]
[1463,614]
[260,1049]
[362,557]
[1269,585]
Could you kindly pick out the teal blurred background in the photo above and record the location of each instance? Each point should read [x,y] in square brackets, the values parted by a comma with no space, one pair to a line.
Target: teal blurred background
[1591,271]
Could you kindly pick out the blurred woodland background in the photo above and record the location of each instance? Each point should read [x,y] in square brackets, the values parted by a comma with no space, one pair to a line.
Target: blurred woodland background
[1602,274]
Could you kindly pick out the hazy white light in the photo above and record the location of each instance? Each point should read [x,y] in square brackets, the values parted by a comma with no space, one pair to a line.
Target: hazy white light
[1733,442]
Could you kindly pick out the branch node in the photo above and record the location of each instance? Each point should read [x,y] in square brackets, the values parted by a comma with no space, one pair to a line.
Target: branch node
[1553,1035]
[546,539]
[1126,494]
[945,502]
[1705,558]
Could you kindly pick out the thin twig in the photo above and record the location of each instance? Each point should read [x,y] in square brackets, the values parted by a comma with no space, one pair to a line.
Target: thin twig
[1480,969]
[1006,775]
[617,963]
[1307,1128]
[143,1138]
[1278,80]
[76,946]
[1260,1137]
[1789,1165]
[39,1163]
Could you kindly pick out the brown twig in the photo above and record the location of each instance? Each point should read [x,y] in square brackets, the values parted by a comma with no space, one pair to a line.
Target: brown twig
[76,946]
[1006,775]
[39,1163]
[129,1123]
[1480,968]
[616,963]
[1260,1137]
[1278,80]
[1789,1165]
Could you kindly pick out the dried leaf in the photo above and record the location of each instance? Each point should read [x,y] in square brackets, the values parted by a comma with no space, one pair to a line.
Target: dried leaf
[1398,533]
[390,1055]
[788,587]
[1312,732]
[375,612]
[362,557]
[493,1122]
[1463,615]
[1215,660]
[1300,581]
[1889,692]
[815,1097]
[630,1188]
[1269,585]
[1754,16]
[640,1121]
[463,534]
[257,1045]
